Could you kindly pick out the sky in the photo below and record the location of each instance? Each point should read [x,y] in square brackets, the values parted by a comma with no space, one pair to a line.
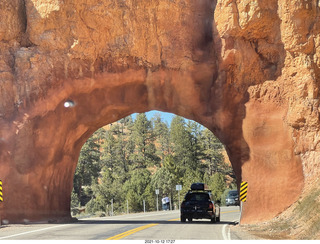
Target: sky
[166,117]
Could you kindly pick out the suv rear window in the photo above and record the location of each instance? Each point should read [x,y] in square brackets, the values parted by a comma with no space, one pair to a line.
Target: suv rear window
[197,197]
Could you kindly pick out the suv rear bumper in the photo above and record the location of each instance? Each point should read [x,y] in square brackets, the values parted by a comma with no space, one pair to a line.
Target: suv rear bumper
[197,214]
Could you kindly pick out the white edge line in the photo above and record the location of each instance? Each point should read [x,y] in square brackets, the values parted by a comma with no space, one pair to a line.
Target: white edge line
[224,235]
[227,236]
[57,226]
[32,231]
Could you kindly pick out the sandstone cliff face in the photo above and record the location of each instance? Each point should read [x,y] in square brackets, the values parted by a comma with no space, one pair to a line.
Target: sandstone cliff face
[248,70]
[272,46]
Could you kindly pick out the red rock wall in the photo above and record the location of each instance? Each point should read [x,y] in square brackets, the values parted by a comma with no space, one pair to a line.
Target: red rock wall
[247,70]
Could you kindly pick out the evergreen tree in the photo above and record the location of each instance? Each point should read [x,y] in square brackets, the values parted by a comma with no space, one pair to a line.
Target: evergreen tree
[195,134]
[162,180]
[102,193]
[161,132]
[190,176]
[217,186]
[180,142]
[213,157]
[144,138]
[137,189]
[88,167]
[108,148]
[75,203]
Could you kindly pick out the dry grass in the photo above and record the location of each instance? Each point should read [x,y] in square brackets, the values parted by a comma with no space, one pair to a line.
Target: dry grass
[302,222]
[308,211]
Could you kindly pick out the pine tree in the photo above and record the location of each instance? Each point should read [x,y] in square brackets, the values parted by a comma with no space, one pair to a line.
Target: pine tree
[195,133]
[137,189]
[144,138]
[161,132]
[88,167]
[180,143]
[212,148]
[217,186]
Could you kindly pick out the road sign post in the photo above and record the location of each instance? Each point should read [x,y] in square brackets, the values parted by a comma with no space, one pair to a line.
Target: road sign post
[127,206]
[243,195]
[157,193]
[112,207]
[179,188]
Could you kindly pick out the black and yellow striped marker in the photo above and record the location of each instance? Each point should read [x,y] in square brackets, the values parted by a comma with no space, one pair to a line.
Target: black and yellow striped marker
[243,191]
[1,196]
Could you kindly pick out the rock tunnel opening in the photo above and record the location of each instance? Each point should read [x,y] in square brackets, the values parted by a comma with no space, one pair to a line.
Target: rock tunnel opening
[233,67]
[122,164]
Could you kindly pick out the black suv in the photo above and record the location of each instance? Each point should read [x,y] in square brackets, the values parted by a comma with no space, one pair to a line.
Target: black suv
[198,204]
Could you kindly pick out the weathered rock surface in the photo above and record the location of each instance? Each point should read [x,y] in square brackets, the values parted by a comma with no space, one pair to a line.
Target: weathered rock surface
[247,70]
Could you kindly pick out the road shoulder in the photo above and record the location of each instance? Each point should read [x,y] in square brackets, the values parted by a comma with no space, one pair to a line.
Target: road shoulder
[241,233]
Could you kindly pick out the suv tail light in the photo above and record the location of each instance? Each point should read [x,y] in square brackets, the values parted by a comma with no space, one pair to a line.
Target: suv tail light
[211,205]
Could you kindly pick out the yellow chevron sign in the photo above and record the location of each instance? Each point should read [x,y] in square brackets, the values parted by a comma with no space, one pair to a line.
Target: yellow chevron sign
[243,191]
[1,196]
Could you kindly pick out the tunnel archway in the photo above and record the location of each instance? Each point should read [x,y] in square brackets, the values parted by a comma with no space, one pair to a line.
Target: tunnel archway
[123,163]
[202,60]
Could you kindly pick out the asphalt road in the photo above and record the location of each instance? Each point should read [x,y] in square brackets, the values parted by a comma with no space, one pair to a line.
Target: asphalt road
[150,227]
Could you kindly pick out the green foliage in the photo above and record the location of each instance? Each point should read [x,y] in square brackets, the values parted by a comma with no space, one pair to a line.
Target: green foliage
[126,161]
[161,132]
[88,166]
[190,176]
[217,185]
[212,152]
[162,180]
[181,143]
[137,189]
[144,138]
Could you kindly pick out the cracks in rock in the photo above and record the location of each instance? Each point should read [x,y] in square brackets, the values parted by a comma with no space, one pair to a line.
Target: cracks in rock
[25,41]
[237,13]
[162,62]
[23,14]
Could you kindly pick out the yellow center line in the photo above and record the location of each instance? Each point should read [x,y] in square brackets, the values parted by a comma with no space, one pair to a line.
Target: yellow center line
[174,219]
[130,232]
[231,211]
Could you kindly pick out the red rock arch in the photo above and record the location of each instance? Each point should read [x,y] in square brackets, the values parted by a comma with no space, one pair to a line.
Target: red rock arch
[228,66]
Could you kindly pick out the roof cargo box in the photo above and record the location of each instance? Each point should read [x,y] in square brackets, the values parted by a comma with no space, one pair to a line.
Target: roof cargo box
[199,186]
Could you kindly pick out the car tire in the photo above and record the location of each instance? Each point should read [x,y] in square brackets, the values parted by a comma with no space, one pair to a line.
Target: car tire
[182,218]
[190,219]
[213,220]
[218,219]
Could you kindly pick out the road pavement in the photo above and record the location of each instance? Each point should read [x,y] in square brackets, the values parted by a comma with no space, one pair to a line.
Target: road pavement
[152,226]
